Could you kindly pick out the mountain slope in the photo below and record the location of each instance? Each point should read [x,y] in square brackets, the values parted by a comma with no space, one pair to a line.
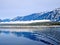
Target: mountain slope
[53,15]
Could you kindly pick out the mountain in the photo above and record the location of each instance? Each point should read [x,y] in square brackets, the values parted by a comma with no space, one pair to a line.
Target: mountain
[6,20]
[53,15]
[18,18]
[27,18]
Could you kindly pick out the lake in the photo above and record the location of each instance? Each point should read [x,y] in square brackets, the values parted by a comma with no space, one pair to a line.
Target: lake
[30,36]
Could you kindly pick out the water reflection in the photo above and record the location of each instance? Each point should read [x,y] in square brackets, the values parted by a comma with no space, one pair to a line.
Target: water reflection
[31,36]
[45,36]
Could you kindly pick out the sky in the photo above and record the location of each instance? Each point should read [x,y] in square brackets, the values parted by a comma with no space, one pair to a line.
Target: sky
[13,8]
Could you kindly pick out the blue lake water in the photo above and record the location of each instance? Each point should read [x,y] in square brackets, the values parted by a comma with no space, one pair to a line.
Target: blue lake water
[30,36]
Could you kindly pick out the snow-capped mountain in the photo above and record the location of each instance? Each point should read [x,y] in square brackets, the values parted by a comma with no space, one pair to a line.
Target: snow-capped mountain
[53,15]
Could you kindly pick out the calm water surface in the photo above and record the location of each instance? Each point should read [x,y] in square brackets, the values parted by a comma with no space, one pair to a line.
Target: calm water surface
[30,36]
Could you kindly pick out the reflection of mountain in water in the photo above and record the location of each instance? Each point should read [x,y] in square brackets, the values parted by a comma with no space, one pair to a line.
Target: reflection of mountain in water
[31,36]
[46,37]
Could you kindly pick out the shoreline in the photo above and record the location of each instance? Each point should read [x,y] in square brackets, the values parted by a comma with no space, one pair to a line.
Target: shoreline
[29,26]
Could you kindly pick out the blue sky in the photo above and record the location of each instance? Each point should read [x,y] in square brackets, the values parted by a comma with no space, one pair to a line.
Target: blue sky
[13,8]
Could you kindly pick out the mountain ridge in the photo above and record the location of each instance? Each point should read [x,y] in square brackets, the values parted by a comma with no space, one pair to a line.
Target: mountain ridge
[53,15]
